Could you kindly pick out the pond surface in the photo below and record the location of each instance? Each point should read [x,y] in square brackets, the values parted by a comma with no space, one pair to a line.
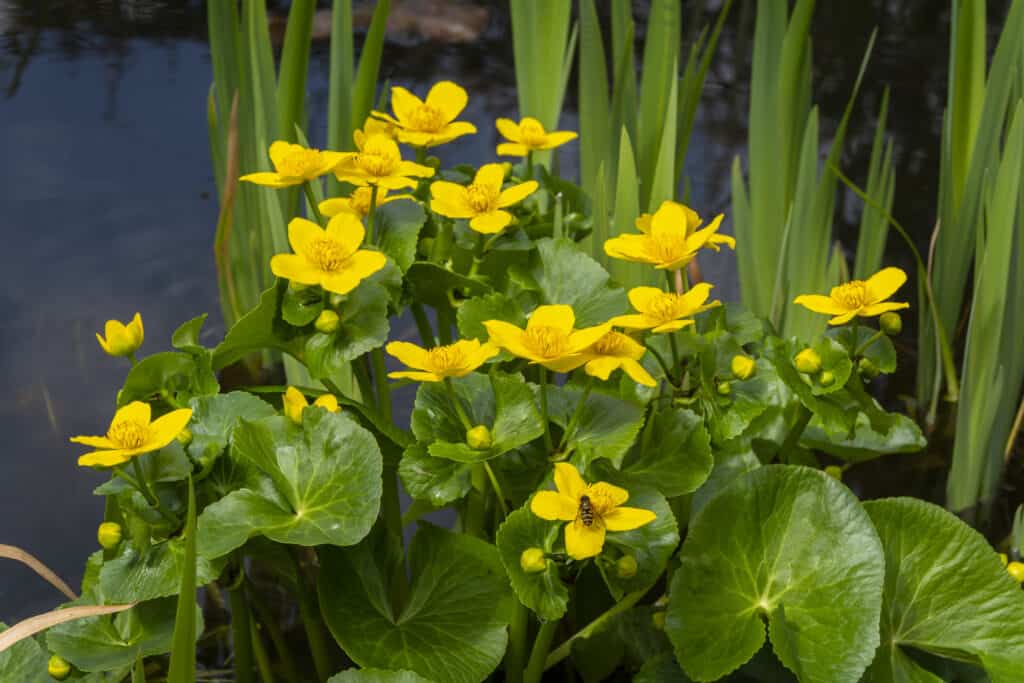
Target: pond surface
[107,201]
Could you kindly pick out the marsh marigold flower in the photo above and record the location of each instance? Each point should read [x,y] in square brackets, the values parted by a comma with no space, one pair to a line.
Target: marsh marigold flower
[529,135]
[132,433]
[482,201]
[550,338]
[294,165]
[358,203]
[121,339]
[591,509]
[294,402]
[864,298]
[669,239]
[616,351]
[434,365]
[329,257]
[430,122]
[661,311]
[378,162]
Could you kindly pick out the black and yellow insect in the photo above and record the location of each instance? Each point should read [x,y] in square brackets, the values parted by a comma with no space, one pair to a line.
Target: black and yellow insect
[586,511]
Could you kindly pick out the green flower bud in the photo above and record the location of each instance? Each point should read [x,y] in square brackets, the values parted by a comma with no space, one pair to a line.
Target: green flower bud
[891,323]
[625,567]
[826,378]
[1004,559]
[807,361]
[184,437]
[658,619]
[1016,570]
[834,471]
[58,668]
[743,366]
[533,560]
[327,322]
[724,388]
[479,438]
[867,368]
[109,535]
[433,162]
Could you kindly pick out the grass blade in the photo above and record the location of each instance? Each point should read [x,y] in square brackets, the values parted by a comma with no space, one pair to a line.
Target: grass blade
[291,77]
[183,645]
[369,65]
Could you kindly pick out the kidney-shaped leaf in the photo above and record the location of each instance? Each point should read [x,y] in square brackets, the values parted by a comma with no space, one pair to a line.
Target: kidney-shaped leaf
[214,418]
[25,662]
[438,480]
[376,676]
[672,454]
[154,573]
[606,428]
[543,592]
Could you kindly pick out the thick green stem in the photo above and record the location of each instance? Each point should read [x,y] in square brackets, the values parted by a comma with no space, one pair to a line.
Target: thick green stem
[380,379]
[371,216]
[442,241]
[867,344]
[664,366]
[548,443]
[803,418]
[467,424]
[574,420]
[419,314]
[529,165]
[497,489]
[260,654]
[312,202]
[565,648]
[391,508]
[445,324]
[515,655]
[675,350]
[475,508]
[362,374]
[539,654]
[240,635]
[309,610]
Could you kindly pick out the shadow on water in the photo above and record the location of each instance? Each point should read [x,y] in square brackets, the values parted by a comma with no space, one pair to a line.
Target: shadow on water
[105,189]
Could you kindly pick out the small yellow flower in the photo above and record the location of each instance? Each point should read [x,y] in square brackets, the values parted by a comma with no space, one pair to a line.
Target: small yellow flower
[693,221]
[483,201]
[132,433]
[742,366]
[434,365]
[295,402]
[428,123]
[549,338]
[665,311]
[669,239]
[358,203]
[121,339]
[1016,570]
[592,510]
[529,135]
[616,351]
[378,162]
[533,560]
[294,165]
[864,298]
[329,257]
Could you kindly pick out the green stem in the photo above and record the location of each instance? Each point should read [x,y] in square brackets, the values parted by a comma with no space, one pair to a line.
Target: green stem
[133,359]
[664,366]
[391,508]
[565,648]
[457,404]
[270,623]
[497,489]
[445,323]
[442,241]
[804,417]
[308,188]
[260,654]
[675,350]
[474,520]
[309,610]
[139,671]
[539,654]
[478,256]
[867,344]
[240,634]
[139,482]
[371,216]
[529,165]
[515,655]
[419,314]
[548,444]
[380,378]
[571,427]
[362,380]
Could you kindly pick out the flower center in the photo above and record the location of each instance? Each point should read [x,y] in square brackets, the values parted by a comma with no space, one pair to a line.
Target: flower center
[851,295]
[611,344]
[671,247]
[128,434]
[482,198]
[600,502]
[426,119]
[532,134]
[298,161]
[360,200]
[445,358]
[545,341]
[664,307]
[328,255]
[379,157]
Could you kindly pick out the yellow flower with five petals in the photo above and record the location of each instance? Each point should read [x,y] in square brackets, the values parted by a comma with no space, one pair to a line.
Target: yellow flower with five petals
[483,201]
[294,165]
[329,257]
[550,338]
[616,351]
[529,135]
[693,221]
[661,311]
[294,402]
[436,364]
[430,122]
[864,298]
[121,339]
[132,432]
[378,162]
[591,510]
[358,203]
[669,242]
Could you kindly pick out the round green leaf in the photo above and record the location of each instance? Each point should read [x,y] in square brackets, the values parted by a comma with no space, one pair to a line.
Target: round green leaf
[376,675]
[881,352]
[473,312]
[438,480]
[834,419]
[300,307]
[135,576]
[565,275]
[167,464]
[661,669]
[214,418]
[399,224]
[430,283]
[363,326]
[946,593]
[178,373]
[672,454]
[790,545]
[606,428]
[543,592]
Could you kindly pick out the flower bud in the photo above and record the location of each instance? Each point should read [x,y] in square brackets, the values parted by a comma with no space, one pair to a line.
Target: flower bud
[1016,570]
[121,339]
[58,668]
[826,378]
[327,322]
[834,471]
[328,402]
[658,619]
[294,403]
[533,560]
[109,535]
[724,388]
[867,368]
[184,437]
[625,567]
[807,361]
[1004,559]
[743,366]
[891,323]
[479,438]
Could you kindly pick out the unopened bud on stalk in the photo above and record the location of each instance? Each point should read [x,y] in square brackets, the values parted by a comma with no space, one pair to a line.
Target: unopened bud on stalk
[826,378]
[743,366]
[724,388]
[1004,559]
[867,368]
[479,438]
[807,361]
[626,567]
[327,322]
[533,560]
[1016,570]
[58,668]
[891,323]
[109,535]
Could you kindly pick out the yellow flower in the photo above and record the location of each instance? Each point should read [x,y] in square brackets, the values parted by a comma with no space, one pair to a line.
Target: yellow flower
[529,135]
[378,162]
[643,224]
[329,257]
[549,338]
[295,402]
[434,365]
[358,203]
[665,311]
[483,201]
[614,351]
[132,433]
[122,340]
[592,509]
[864,298]
[294,165]
[669,239]
[428,123]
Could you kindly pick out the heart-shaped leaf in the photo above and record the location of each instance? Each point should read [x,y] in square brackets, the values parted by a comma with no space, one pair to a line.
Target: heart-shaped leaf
[399,224]
[606,428]
[438,480]
[543,592]
[565,275]
[672,454]
[135,576]
[214,418]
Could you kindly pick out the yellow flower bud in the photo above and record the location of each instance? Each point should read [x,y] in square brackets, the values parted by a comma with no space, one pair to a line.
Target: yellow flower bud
[479,438]
[533,560]
[184,437]
[327,322]
[834,471]
[867,368]
[891,323]
[1016,570]
[506,169]
[294,403]
[826,378]
[58,668]
[658,618]
[724,388]
[625,567]
[743,366]
[109,535]
[121,339]
[328,402]
[807,361]
[1004,559]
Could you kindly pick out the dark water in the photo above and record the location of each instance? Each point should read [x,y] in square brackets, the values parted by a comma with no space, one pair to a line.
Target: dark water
[106,204]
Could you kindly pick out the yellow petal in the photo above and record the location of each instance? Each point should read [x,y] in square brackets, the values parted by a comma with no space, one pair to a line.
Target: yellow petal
[268,179]
[581,339]
[633,322]
[409,354]
[637,373]
[509,130]
[627,519]
[348,230]
[636,248]
[602,367]
[602,490]
[166,427]
[884,284]
[884,307]
[553,506]
[670,217]
[294,268]
[107,458]
[356,268]
[511,149]
[820,304]
[671,326]
[416,376]
[491,223]
[509,337]
[103,344]
[328,402]
[558,316]
[582,541]
[517,193]
[701,237]
[94,441]
[294,402]
[302,233]
[641,297]
[114,329]
[643,223]
[411,168]
[490,175]
[278,150]
[333,207]
[455,129]
[843,318]
[328,160]
[558,138]
[563,364]
[569,482]
[135,329]
[392,182]
[449,98]
[404,104]
[136,411]
[450,199]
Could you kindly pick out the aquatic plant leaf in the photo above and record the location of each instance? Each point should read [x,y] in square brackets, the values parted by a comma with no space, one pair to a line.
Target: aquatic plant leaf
[137,576]
[362,326]
[881,351]
[789,545]
[946,593]
[606,428]
[543,592]
[496,306]
[660,669]
[435,479]
[183,375]
[875,433]
[834,419]
[672,453]
[565,275]
[431,283]
[24,662]
[214,419]
[399,223]
[186,337]
[376,676]
[323,484]
[260,328]
[452,628]
[167,464]
[300,307]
